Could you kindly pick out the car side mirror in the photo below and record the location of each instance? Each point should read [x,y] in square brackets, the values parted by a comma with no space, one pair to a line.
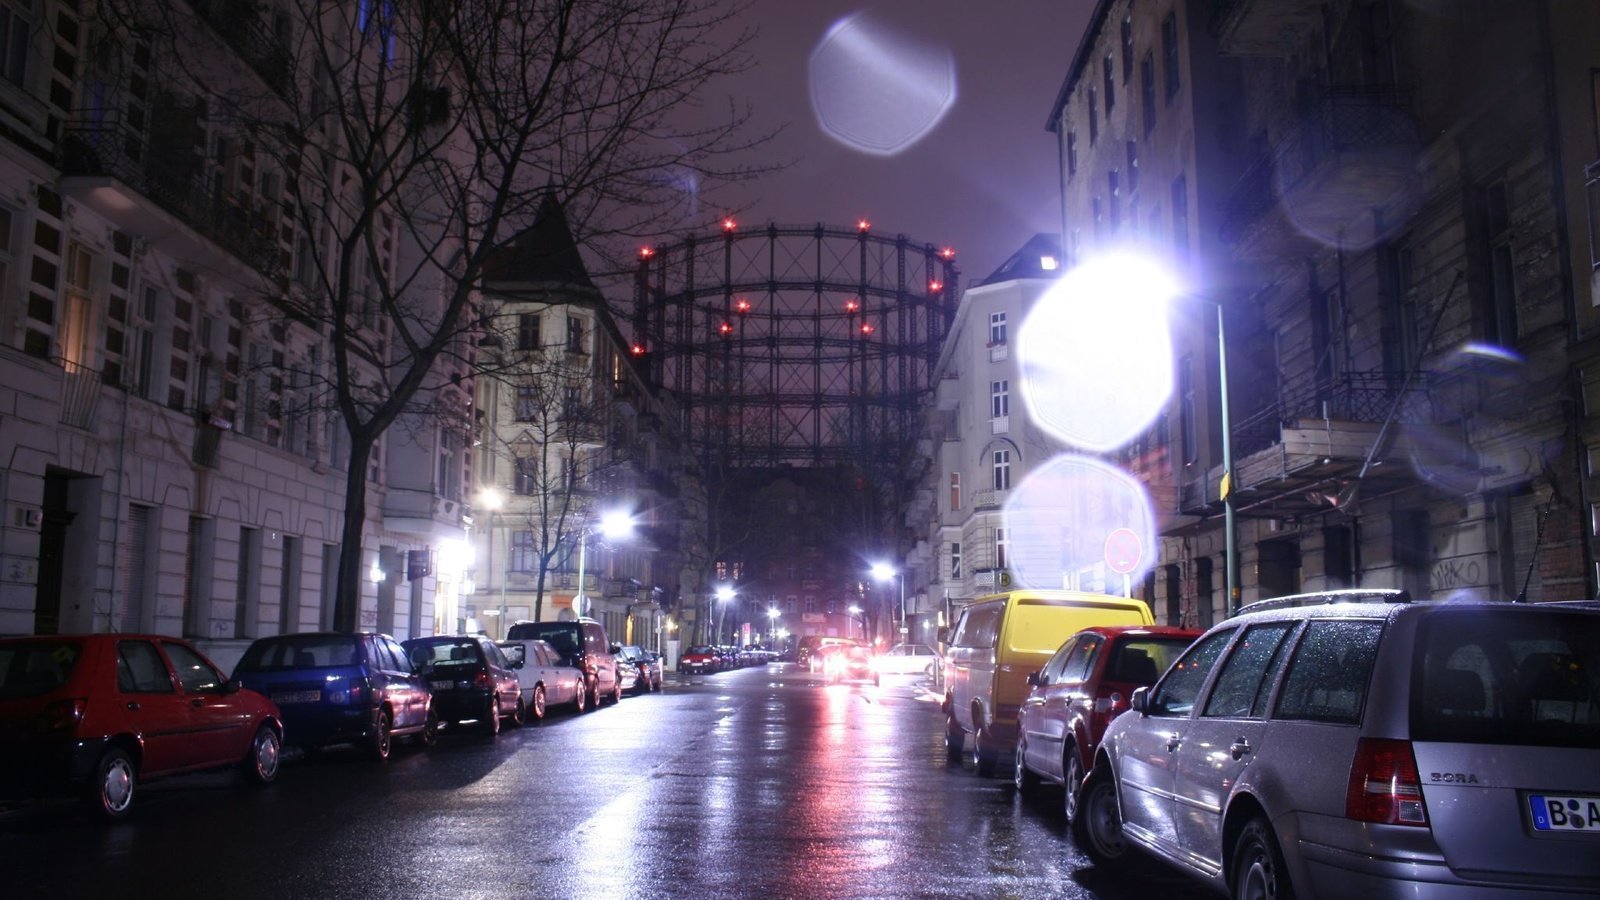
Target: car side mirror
[944,634]
[516,663]
[615,648]
[1035,679]
[1141,700]
[232,686]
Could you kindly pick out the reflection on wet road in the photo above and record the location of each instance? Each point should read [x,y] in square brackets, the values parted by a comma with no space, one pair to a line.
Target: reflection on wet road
[761,782]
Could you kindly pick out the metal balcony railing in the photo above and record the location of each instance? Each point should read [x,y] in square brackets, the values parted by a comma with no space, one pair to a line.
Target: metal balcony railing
[1369,397]
[239,24]
[245,227]
[80,394]
[1344,118]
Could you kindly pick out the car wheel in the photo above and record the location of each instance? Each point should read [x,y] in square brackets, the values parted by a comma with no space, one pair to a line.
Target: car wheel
[594,695]
[954,737]
[491,718]
[520,714]
[382,740]
[536,709]
[266,749]
[984,755]
[1024,779]
[616,691]
[1073,783]
[1258,869]
[1097,828]
[580,702]
[429,735]
[109,793]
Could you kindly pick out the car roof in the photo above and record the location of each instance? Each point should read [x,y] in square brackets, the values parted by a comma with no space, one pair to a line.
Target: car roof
[1115,631]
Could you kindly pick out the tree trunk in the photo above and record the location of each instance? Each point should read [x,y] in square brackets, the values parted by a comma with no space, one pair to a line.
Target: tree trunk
[347,602]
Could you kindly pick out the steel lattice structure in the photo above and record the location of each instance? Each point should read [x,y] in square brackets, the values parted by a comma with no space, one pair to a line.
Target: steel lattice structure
[807,345]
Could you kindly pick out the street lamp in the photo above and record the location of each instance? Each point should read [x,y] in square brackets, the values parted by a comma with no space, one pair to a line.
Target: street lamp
[884,572]
[492,500]
[856,611]
[724,594]
[772,624]
[614,524]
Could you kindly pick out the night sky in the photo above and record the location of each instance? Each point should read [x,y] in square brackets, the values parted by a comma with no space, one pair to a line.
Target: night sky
[981,178]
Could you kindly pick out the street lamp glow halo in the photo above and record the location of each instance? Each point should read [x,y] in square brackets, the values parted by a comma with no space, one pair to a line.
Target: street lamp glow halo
[883,571]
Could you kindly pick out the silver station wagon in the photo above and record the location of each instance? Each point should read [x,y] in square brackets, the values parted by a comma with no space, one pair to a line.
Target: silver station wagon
[1356,744]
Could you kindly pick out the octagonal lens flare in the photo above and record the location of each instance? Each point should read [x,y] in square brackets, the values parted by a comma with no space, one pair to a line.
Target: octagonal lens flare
[1095,354]
[1078,523]
[876,89]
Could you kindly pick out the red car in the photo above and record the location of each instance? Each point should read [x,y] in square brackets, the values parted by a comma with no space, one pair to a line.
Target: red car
[1086,684]
[96,714]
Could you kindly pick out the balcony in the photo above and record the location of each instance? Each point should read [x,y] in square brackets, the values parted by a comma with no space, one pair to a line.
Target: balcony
[1354,152]
[80,395]
[109,168]
[1276,28]
[238,23]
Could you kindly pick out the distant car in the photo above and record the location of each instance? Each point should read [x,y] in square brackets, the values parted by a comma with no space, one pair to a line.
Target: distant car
[647,669]
[471,680]
[1086,684]
[546,680]
[1356,744]
[340,688]
[581,643]
[627,673]
[701,658]
[98,714]
[909,659]
[850,663]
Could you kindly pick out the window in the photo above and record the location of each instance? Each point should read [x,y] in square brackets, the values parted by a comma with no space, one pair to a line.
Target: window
[525,479]
[1247,677]
[140,669]
[955,490]
[1000,399]
[527,403]
[1178,690]
[1187,411]
[6,255]
[194,673]
[524,555]
[15,38]
[1127,48]
[1000,547]
[1108,80]
[574,334]
[1076,666]
[1401,344]
[1131,152]
[1147,92]
[1327,679]
[1113,189]
[1094,117]
[1169,54]
[1180,216]
[1098,216]
[528,331]
[450,445]
[74,334]
[1494,214]
[1072,161]
[1002,470]
[955,560]
[997,328]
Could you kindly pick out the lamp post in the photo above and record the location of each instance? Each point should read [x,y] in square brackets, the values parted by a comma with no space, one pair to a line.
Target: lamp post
[772,624]
[856,611]
[613,524]
[724,594]
[1231,563]
[884,572]
[492,500]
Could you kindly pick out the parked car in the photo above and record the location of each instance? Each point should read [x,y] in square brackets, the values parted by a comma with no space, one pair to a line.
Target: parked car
[995,642]
[471,680]
[700,658]
[850,663]
[546,680]
[581,643]
[1359,745]
[98,714]
[909,659]
[1086,684]
[339,688]
[647,668]
[806,651]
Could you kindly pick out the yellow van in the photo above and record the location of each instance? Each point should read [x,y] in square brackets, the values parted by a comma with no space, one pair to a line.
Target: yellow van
[995,642]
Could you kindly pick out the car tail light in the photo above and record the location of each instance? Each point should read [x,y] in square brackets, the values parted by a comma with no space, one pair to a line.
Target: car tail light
[62,715]
[353,691]
[481,680]
[1106,708]
[1384,784]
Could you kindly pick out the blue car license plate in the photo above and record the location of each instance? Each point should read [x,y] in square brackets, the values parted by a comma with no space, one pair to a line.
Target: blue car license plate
[1565,813]
[297,697]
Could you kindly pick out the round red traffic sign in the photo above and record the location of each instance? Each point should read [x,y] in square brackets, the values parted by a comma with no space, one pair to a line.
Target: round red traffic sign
[1123,551]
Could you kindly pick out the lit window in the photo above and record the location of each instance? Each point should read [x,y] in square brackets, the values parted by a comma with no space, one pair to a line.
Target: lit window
[1002,470]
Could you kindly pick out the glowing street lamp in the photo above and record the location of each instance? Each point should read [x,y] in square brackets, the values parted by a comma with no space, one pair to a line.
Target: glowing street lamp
[856,611]
[613,525]
[772,623]
[884,572]
[724,595]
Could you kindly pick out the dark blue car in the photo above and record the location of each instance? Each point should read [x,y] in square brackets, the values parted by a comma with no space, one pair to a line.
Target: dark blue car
[336,688]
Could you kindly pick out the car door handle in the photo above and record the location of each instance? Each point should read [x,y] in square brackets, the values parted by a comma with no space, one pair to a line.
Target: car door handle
[1239,747]
[197,703]
[1173,740]
[133,705]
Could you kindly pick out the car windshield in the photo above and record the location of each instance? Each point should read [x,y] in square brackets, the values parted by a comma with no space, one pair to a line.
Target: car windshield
[301,651]
[30,668]
[1142,660]
[428,654]
[1507,677]
[562,636]
[701,650]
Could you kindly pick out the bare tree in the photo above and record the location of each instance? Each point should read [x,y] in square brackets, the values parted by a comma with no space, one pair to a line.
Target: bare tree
[394,144]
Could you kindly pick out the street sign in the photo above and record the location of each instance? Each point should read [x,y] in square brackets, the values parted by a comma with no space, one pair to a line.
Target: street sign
[1124,550]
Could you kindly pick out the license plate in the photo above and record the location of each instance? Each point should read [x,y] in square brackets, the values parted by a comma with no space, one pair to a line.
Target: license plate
[298,697]
[443,685]
[1564,813]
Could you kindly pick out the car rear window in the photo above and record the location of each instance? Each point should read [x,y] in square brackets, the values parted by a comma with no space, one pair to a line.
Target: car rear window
[429,654]
[31,668]
[1040,625]
[562,636]
[1328,675]
[1142,660]
[301,651]
[1525,677]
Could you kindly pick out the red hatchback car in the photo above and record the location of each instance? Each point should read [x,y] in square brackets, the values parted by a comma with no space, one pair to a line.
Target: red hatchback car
[96,714]
[1086,684]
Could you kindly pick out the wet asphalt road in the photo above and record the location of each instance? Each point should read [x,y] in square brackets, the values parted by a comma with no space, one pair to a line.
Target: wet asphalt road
[763,782]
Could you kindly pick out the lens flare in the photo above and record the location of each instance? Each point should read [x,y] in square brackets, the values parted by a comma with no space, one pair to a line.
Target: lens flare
[1066,526]
[877,90]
